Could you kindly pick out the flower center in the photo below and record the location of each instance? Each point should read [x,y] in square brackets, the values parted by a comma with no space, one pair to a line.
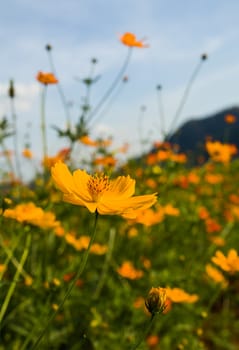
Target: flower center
[97,185]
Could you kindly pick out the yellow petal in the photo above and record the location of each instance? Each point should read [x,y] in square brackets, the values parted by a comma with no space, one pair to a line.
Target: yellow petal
[122,187]
[62,177]
[73,199]
[81,178]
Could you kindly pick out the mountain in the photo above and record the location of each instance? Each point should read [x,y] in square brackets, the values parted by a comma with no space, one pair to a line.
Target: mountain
[192,135]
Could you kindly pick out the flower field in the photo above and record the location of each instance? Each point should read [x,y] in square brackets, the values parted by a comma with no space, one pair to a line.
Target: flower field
[102,254]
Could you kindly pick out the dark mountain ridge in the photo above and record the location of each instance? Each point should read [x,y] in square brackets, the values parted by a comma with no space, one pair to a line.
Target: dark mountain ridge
[192,135]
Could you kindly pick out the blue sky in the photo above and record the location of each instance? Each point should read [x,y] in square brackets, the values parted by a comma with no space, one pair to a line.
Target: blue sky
[178,32]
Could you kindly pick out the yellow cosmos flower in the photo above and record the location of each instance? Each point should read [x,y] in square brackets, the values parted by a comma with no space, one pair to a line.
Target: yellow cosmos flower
[229,263]
[100,194]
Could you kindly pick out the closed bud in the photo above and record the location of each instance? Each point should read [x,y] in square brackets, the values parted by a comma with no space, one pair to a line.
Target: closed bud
[155,301]
[48,47]
[11,90]
[204,57]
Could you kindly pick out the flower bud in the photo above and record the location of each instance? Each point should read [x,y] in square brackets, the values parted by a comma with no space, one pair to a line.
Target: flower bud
[155,301]
[11,90]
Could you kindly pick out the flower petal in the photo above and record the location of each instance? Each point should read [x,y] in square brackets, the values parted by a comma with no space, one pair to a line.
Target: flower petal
[62,177]
[122,187]
[80,179]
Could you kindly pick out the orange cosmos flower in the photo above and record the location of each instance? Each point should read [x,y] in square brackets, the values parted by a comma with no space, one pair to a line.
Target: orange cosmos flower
[230,119]
[33,215]
[46,78]
[220,152]
[27,153]
[212,225]
[62,155]
[177,295]
[100,194]
[229,263]
[86,140]
[129,39]
[127,270]
[105,161]
[216,275]
[152,341]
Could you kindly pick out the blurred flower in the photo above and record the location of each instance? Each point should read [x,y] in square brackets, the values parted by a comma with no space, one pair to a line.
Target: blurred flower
[152,341]
[229,263]
[46,78]
[177,295]
[149,217]
[169,209]
[100,194]
[27,153]
[62,155]
[155,301]
[82,243]
[212,225]
[105,161]
[220,152]
[216,275]
[230,119]
[127,270]
[203,213]
[213,178]
[86,140]
[3,268]
[129,39]
[29,213]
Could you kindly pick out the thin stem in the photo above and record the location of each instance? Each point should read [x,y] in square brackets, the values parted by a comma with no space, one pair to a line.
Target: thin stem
[112,86]
[185,96]
[110,102]
[10,257]
[43,121]
[15,139]
[16,277]
[161,111]
[144,334]
[60,90]
[68,292]
[106,265]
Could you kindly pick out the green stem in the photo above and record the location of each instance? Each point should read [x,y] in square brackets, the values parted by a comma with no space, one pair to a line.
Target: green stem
[16,277]
[43,121]
[161,113]
[60,90]
[11,258]
[68,292]
[15,139]
[144,334]
[184,97]
[112,86]
[106,265]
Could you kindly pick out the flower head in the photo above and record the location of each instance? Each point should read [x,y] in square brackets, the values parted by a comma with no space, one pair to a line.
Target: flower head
[100,194]
[229,263]
[230,118]
[127,270]
[46,78]
[29,213]
[129,39]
